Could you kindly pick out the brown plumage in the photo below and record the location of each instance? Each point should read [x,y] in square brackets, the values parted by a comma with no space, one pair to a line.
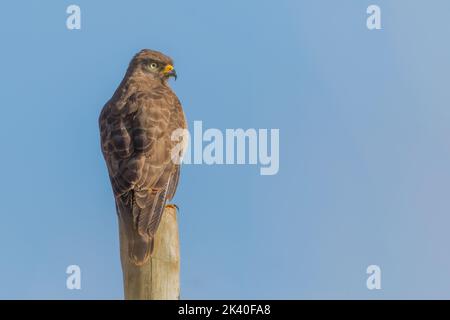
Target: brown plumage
[135,128]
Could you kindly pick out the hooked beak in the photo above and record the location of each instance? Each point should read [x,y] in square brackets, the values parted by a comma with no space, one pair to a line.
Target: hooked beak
[169,71]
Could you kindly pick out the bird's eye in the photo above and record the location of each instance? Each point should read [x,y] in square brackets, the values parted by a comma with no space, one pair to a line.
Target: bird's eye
[153,65]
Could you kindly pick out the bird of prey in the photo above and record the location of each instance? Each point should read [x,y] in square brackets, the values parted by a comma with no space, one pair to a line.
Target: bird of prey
[136,125]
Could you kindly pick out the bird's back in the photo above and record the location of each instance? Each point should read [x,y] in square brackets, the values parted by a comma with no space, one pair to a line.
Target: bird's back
[135,128]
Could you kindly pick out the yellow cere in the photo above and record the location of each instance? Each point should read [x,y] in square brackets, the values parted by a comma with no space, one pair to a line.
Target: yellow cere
[168,68]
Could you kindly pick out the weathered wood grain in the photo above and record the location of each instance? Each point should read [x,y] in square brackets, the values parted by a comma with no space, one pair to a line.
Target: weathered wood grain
[159,278]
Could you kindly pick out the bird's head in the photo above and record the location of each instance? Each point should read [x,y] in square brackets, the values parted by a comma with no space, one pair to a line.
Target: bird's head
[154,64]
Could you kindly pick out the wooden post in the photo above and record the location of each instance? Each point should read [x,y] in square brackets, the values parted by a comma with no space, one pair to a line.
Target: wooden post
[159,278]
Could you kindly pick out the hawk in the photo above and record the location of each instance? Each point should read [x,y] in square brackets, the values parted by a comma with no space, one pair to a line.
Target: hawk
[136,125]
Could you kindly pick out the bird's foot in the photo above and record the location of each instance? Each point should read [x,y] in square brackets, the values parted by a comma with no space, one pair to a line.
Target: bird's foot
[173,206]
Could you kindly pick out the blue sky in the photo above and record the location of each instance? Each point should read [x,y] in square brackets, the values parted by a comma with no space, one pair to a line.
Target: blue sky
[364,151]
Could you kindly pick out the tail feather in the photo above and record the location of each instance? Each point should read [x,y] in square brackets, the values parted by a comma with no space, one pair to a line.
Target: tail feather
[147,214]
[140,222]
[140,249]
[158,211]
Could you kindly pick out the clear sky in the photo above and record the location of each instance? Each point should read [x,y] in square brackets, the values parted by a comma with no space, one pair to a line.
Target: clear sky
[364,123]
